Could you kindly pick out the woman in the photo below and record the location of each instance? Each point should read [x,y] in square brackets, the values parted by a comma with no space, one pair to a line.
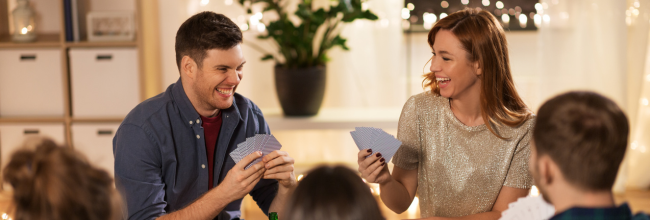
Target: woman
[465,143]
[57,183]
[332,193]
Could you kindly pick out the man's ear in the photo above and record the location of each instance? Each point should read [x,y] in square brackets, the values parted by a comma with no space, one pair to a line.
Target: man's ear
[547,173]
[189,68]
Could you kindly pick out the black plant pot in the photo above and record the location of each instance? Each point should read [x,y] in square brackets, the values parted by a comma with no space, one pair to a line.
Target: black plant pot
[300,91]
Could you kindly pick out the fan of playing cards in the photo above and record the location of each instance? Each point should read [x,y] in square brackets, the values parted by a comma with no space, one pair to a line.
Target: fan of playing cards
[377,140]
[260,142]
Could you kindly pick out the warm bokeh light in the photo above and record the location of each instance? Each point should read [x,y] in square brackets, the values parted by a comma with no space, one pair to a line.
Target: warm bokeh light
[499,5]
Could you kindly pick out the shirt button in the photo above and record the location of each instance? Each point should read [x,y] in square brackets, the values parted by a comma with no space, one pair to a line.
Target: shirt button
[198,121]
[203,166]
[191,122]
[198,136]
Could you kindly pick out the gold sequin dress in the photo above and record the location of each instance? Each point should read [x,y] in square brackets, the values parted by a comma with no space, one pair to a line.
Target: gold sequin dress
[461,169]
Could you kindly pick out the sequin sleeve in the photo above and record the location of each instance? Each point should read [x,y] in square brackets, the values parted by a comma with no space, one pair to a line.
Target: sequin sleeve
[408,132]
[518,175]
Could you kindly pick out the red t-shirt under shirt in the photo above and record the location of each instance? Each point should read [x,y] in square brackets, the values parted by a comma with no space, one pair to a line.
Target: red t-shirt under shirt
[211,128]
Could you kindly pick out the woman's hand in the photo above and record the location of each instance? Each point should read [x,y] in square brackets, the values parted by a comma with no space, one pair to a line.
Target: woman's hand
[373,169]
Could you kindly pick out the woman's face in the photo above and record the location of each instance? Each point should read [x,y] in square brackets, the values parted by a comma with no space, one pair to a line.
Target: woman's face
[456,75]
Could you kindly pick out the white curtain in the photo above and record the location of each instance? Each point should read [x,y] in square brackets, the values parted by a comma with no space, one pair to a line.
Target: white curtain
[636,169]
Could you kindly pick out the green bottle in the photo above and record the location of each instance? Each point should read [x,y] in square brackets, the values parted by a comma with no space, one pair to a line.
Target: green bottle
[273,216]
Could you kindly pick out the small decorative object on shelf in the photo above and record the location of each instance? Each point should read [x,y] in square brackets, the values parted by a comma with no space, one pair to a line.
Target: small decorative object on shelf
[273,216]
[23,16]
[110,26]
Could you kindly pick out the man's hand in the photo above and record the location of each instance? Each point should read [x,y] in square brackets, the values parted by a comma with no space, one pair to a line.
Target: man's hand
[239,182]
[279,166]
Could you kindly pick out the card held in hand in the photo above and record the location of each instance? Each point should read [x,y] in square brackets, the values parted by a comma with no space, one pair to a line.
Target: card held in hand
[377,140]
[265,143]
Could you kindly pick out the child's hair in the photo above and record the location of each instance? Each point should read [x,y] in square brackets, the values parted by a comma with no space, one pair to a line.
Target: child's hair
[56,183]
[332,193]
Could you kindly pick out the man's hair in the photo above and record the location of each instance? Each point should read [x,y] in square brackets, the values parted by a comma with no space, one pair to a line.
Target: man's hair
[205,31]
[585,134]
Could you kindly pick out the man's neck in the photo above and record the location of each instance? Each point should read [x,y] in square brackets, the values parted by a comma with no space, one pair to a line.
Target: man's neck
[570,198]
[199,106]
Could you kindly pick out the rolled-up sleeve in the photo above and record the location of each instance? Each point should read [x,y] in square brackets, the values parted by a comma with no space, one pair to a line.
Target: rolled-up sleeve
[138,172]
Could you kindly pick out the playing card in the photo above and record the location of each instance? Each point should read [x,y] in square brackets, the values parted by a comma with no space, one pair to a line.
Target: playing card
[260,142]
[377,140]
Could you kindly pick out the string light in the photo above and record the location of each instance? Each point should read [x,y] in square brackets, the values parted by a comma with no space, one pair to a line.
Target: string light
[406,13]
[443,15]
[410,6]
[644,101]
[299,177]
[538,20]
[637,4]
[546,18]
[539,7]
[647,77]
[523,21]
[464,2]
[228,2]
[444,4]
[205,2]
[429,19]
[505,18]
[499,5]
[486,3]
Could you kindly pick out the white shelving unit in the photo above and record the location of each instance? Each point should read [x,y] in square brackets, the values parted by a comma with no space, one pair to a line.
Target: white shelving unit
[84,89]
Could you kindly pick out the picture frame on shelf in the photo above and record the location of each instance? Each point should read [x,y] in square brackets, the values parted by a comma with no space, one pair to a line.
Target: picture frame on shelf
[110,26]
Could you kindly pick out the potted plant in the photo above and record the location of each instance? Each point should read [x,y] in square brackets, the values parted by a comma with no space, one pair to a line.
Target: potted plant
[301,55]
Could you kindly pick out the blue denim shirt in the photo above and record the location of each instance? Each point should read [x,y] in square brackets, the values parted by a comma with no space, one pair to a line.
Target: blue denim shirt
[160,156]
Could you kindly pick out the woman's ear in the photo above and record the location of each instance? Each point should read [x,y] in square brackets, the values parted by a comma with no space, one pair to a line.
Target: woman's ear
[477,69]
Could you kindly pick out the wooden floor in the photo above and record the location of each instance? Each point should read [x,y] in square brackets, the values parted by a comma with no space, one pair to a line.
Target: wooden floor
[638,201]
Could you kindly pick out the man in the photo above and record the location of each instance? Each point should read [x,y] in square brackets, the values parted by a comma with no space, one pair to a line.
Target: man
[172,151]
[579,142]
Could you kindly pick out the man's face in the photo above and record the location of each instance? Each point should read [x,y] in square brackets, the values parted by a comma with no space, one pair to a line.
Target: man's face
[533,167]
[217,79]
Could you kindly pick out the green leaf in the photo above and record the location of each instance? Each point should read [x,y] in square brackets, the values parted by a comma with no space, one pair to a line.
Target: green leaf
[339,41]
[369,15]
[267,57]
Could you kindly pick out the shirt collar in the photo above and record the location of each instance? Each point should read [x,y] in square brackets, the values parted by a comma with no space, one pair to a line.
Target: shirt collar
[189,114]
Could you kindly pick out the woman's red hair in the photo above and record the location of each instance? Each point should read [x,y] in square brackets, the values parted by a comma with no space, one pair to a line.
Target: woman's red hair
[485,41]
